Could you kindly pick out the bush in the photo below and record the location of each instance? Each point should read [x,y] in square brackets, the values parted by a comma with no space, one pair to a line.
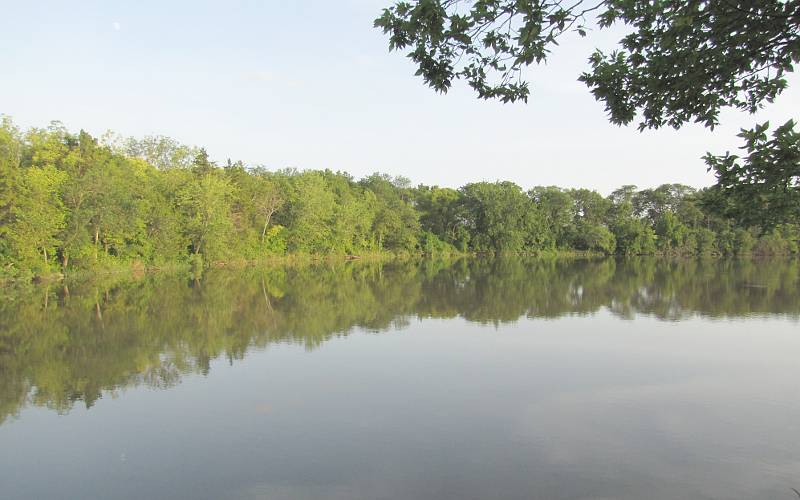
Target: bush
[430,244]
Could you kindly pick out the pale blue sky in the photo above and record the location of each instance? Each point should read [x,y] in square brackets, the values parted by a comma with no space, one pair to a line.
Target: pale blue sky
[310,84]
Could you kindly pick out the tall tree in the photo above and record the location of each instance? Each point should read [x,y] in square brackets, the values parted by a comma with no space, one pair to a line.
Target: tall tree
[39,215]
[206,202]
[10,157]
[162,152]
[497,215]
[557,207]
[442,213]
[396,223]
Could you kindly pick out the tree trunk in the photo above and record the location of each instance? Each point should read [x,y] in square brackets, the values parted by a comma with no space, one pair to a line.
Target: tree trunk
[266,223]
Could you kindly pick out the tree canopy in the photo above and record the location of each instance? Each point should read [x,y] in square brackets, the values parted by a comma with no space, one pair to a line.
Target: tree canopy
[768,177]
[69,202]
[679,61]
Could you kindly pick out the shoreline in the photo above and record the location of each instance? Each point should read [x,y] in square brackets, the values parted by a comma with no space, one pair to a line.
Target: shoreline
[137,269]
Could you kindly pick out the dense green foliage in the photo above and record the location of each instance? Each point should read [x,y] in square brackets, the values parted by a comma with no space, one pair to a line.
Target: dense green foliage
[763,187]
[679,62]
[74,342]
[70,202]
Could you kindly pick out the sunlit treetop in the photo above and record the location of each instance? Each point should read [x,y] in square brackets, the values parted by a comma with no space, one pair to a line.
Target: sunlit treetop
[682,60]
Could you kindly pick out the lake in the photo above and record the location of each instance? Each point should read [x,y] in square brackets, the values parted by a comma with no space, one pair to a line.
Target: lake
[478,378]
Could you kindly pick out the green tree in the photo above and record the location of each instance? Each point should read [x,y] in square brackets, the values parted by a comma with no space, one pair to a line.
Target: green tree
[442,213]
[595,237]
[38,216]
[309,213]
[557,208]
[762,188]
[674,66]
[82,160]
[157,214]
[633,235]
[706,241]
[654,203]
[92,206]
[679,62]
[672,234]
[260,194]
[162,152]
[589,206]
[396,223]
[498,216]
[10,157]
[206,203]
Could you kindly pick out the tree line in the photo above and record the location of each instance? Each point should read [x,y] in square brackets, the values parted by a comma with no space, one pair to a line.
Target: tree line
[73,202]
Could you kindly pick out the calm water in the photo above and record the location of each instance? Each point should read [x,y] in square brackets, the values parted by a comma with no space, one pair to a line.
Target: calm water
[475,379]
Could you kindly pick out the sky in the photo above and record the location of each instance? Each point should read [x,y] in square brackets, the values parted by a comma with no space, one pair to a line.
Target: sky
[311,84]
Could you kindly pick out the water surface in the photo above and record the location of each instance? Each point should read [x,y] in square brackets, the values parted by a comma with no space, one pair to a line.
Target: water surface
[474,379]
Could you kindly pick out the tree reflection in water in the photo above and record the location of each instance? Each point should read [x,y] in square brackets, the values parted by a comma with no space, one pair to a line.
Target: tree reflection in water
[62,344]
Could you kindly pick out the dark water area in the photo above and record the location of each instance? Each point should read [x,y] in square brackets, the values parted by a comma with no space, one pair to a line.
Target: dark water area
[505,378]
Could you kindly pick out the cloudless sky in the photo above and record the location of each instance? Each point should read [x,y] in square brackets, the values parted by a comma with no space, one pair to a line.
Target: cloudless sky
[311,84]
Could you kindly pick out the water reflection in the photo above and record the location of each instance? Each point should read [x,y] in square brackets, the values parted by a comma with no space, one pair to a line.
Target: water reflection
[60,345]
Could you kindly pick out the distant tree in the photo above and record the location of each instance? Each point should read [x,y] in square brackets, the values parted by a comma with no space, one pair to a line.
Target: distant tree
[672,234]
[201,163]
[10,157]
[442,213]
[624,194]
[589,206]
[654,203]
[497,215]
[396,222]
[706,241]
[633,236]
[595,237]
[205,203]
[557,208]
[309,213]
[70,199]
[80,158]
[162,152]
[38,216]
[269,200]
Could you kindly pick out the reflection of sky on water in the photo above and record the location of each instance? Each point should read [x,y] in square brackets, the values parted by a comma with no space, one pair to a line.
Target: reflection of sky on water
[589,407]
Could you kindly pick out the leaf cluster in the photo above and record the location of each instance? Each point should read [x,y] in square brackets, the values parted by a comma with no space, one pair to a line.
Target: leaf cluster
[683,60]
